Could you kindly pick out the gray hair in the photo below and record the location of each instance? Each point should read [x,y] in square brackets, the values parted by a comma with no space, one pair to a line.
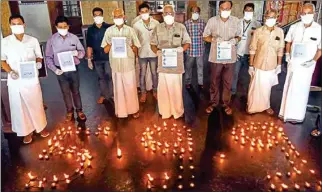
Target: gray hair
[168,5]
[309,4]
[271,11]
[118,9]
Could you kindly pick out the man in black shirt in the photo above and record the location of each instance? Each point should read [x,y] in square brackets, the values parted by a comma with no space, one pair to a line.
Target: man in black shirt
[96,54]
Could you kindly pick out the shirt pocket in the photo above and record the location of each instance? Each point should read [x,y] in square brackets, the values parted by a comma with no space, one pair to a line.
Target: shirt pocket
[176,40]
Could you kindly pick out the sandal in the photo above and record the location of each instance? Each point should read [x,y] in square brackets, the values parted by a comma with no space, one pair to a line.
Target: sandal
[136,115]
[228,110]
[44,134]
[27,139]
[270,111]
[209,109]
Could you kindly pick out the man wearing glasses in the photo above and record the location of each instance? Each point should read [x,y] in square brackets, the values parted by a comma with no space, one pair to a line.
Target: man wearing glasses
[169,40]
[303,49]
[266,51]
[195,27]
[223,32]
[143,29]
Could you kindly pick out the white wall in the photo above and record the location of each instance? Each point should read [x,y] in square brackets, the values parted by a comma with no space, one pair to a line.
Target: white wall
[37,20]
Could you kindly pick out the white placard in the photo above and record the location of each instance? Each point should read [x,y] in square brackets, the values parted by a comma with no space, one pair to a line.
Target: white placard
[299,52]
[224,51]
[169,58]
[28,71]
[119,47]
[66,61]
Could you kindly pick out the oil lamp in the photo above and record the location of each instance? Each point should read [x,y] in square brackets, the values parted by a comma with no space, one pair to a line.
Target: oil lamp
[31,177]
[288,174]
[181,167]
[46,157]
[81,172]
[55,178]
[27,186]
[190,159]
[192,185]
[307,185]
[119,153]
[279,174]
[272,187]
[49,143]
[268,177]
[53,185]
[164,186]
[297,187]
[166,176]
[222,156]
[284,187]
[150,177]
[40,157]
[67,181]
[312,171]
[180,187]
[191,167]
[304,161]
[66,176]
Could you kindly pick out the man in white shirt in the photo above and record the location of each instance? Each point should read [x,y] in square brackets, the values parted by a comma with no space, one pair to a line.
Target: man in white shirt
[303,49]
[21,57]
[144,29]
[248,24]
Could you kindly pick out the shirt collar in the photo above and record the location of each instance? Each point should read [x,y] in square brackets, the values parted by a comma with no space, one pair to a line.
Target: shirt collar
[198,21]
[103,25]
[14,38]
[266,28]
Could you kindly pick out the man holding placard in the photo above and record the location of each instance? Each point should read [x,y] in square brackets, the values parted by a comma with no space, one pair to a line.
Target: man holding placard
[63,54]
[223,32]
[121,42]
[169,40]
[21,57]
[303,49]
[266,51]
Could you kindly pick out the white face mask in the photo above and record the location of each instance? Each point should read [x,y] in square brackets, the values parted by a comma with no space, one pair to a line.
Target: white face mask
[119,21]
[225,14]
[248,16]
[145,16]
[270,22]
[17,29]
[168,19]
[62,32]
[195,16]
[98,20]
[307,19]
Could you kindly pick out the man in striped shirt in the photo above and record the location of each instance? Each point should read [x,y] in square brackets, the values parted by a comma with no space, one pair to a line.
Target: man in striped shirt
[195,27]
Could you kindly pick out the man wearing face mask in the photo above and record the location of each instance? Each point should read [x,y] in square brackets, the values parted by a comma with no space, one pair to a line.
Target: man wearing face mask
[248,25]
[266,51]
[143,29]
[223,32]
[63,41]
[303,49]
[170,36]
[195,27]
[96,55]
[25,96]
[123,67]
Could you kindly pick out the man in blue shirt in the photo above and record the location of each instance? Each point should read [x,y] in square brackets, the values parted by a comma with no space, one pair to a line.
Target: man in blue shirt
[96,55]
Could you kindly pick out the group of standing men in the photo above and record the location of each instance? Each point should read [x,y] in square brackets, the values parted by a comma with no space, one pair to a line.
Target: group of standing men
[170,49]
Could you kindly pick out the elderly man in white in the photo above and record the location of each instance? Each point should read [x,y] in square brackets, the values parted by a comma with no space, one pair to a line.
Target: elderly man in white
[122,43]
[303,49]
[21,57]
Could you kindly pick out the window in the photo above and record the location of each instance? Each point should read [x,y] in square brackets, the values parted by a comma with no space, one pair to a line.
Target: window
[157,6]
[71,9]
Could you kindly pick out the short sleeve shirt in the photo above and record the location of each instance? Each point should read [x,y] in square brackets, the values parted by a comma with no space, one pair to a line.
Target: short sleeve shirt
[173,37]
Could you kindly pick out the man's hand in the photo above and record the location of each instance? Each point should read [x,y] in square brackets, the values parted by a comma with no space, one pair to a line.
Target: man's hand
[278,69]
[217,39]
[251,71]
[14,75]
[38,65]
[309,63]
[59,72]
[134,49]
[75,53]
[90,64]
[208,39]
[107,48]
[179,49]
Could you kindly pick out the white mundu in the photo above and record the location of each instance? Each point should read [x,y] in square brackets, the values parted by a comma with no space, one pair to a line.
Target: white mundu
[298,79]
[25,97]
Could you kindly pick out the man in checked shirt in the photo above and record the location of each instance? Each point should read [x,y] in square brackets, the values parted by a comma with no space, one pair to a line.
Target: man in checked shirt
[195,27]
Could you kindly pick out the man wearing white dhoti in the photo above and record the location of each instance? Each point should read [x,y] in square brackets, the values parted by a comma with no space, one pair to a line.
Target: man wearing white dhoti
[169,40]
[266,51]
[21,57]
[121,42]
[303,49]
